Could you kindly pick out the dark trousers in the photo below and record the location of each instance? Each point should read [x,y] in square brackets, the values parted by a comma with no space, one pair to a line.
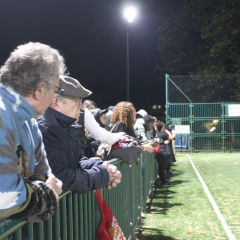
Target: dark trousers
[161,159]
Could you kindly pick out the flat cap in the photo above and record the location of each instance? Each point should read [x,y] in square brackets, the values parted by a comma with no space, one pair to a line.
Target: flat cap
[72,87]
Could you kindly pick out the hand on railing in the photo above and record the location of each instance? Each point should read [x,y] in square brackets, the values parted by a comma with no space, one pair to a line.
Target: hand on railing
[54,183]
[148,148]
[114,175]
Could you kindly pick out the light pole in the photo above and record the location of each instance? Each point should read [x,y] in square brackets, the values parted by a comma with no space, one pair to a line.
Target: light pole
[129,14]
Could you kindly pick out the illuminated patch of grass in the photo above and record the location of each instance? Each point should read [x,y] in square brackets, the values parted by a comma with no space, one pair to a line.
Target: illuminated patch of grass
[184,211]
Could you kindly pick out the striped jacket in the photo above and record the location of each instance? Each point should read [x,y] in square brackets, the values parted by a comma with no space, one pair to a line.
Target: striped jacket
[23,162]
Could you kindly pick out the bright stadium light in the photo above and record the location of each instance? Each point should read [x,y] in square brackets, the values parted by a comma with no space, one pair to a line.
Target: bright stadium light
[215,121]
[130,13]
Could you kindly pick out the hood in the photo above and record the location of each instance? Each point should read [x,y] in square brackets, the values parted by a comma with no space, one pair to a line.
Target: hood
[142,112]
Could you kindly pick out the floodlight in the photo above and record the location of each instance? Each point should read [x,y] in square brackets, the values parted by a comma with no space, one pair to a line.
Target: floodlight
[130,13]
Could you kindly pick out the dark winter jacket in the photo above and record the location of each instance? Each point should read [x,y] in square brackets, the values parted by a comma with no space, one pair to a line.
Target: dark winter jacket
[152,134]
[79,132]
[77,173]
[121,127]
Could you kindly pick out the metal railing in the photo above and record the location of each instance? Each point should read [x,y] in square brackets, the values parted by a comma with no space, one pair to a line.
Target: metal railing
[212,127]
[77,216]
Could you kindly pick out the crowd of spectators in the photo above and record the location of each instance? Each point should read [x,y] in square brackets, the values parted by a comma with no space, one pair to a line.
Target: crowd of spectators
[49,138]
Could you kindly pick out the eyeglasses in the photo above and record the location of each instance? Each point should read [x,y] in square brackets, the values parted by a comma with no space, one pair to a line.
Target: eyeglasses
[59,91]
[79,100]
[74,99]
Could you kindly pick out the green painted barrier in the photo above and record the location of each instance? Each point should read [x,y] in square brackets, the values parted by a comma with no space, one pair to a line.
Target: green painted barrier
[213,126]
[77,216]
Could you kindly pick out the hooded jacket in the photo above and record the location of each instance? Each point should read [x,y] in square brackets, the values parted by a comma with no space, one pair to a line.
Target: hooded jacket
[22,155]
[141,131]
[77,173]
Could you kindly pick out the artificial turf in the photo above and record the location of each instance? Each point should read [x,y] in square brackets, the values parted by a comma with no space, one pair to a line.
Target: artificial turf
[184,211]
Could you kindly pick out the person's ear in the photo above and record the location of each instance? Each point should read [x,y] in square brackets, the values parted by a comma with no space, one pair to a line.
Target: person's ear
[56,102]
[37,93]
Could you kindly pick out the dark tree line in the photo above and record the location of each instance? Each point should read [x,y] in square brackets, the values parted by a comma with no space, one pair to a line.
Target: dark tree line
[203,38]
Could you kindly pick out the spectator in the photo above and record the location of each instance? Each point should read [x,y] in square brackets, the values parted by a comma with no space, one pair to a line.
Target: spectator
[78,173]
[141,113]
[171,146]
[173,132]
[28,189]
[101,119]
[87,122]
[122,120]
[108,126]
[164,137]
[142,126]
[80,131]
[152,133]
[89,104]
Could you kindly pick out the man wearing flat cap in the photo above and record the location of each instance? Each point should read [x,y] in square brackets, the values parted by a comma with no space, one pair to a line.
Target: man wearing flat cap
[77,173]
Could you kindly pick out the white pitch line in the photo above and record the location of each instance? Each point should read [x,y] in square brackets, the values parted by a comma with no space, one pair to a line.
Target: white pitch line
[215,207]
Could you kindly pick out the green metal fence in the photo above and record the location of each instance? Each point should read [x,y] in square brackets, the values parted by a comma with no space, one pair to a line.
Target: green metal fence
[77,216]
[212,126]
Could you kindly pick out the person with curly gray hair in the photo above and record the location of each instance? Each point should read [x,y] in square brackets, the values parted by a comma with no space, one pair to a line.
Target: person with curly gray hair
[28,81]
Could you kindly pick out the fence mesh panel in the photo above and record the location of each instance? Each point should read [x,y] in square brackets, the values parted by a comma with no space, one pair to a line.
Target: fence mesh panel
[208,106]
[204,89]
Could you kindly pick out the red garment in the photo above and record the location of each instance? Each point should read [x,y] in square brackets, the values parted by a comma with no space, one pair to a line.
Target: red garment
[108,228]
[157,149]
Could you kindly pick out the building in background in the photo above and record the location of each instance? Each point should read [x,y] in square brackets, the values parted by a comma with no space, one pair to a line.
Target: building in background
[158,111]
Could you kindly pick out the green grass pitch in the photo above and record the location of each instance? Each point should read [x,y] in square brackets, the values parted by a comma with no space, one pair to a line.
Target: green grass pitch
[184,210]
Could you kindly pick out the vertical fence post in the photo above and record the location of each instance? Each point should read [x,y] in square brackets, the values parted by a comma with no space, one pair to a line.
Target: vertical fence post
[191,119]
[143,205]
[166,87]
[223,130]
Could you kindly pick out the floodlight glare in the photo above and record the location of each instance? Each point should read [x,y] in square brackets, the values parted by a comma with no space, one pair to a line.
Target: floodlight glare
[130,13]
[215,121]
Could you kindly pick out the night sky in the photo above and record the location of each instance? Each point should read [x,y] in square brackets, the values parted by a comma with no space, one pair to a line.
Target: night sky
[91,35]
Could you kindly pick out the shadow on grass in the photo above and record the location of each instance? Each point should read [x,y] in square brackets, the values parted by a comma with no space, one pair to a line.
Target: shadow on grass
[162,193]
[152,234]
[177,172]
[159,203]
[178,182]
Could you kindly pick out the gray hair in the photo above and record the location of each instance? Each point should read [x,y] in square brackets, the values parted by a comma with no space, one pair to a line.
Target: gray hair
[31,64]
[87,103]
[62,99]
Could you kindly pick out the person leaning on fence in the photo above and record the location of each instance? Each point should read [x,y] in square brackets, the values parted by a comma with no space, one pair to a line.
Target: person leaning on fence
[122,120]
[29,78]
[88,123]
[78,173]
[164,137]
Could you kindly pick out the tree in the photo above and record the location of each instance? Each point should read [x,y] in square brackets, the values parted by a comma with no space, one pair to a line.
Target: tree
[202,38]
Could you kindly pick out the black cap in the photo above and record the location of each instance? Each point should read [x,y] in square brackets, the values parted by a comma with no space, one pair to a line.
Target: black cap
[97,112]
